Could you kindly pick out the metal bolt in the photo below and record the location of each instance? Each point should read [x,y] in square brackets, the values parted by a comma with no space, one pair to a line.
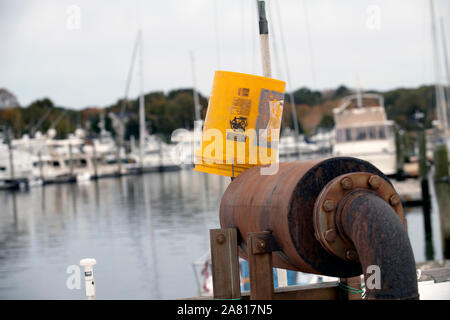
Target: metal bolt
[261,244]
[330,235]
[220,239]
[350,254]
[374,182]
[346,183]
[328,205]
[394,199]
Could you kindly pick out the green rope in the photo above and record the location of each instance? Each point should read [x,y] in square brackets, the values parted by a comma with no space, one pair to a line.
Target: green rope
[347,288]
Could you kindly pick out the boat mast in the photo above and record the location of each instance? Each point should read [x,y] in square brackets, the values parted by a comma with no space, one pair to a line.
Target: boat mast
[216,30]
[288,75]
[309,43]
[447,70]
[141,100]
[359,95]
[10,137]
[39,123]
[121,131]
[194,90]
[441,109]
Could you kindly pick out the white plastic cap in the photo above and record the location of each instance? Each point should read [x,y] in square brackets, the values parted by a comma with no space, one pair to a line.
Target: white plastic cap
[88,262]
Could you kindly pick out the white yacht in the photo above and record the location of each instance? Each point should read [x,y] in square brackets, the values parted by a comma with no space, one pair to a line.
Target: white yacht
[16,167]
[185,142]
[55,160]
[365,132]
[288,146]
[102,153]
[156,156]
[62,160]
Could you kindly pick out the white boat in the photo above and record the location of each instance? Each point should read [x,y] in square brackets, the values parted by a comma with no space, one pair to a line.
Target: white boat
[364,132]
[16,168]
[83,177]
[186,142]
[54,160]
[289,146]
[156,156]
[102,155]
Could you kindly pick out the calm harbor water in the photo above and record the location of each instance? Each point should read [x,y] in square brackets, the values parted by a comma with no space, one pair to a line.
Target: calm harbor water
[144,231]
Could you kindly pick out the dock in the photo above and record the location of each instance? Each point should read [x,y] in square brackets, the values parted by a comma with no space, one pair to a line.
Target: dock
[409,190]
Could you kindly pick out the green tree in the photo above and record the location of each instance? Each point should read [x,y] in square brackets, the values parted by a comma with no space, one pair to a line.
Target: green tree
[342,91]
[307,96]
[327,122]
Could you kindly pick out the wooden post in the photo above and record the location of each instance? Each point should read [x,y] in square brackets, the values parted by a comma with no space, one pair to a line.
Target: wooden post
[353,283]
[400,148]
[442,195]
[426,199]
[11,160]
[41,166]
[225,263]
[441,162]
[71,160]
[423,169]
[94,151]
[260,246]
[119,147]
[442,187]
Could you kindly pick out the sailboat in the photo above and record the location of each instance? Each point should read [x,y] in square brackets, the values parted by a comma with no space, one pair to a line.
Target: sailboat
[152,154]
[187,141]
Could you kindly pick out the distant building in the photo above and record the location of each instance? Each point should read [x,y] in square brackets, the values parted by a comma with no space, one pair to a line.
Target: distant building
[7,99]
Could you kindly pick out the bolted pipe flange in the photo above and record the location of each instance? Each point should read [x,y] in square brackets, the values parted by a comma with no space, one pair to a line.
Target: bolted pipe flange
[327,231]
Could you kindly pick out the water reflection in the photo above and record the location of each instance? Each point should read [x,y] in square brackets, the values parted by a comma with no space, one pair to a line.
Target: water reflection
[424,228]
[145,232]
[442,201]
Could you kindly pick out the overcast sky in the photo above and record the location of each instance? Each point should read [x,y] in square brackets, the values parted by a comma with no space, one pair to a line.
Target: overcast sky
[44,52]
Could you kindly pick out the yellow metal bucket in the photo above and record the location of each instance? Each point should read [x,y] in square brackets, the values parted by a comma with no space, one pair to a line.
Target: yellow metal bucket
[242,124]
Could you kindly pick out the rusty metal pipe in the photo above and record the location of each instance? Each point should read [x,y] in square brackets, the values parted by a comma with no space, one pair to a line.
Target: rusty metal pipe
[283,204]
[380,239]
[302,206]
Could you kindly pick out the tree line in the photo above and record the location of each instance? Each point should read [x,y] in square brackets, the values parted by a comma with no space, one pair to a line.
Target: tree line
[166,112]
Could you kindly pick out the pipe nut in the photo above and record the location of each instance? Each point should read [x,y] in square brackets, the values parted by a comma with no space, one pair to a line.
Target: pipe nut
[328,205]
[346,183]
[394,200]
[374,182]
[330,235]
[351,255]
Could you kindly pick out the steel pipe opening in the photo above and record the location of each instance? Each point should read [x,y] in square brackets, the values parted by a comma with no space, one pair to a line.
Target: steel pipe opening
[381,241]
